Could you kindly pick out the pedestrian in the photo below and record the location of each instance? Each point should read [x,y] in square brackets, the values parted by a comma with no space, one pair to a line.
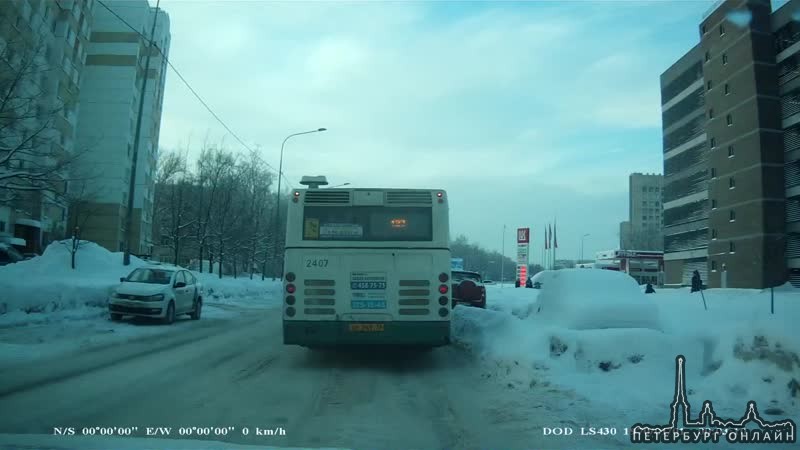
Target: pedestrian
[516,283]
[697,282]
[649,289]
[529,283]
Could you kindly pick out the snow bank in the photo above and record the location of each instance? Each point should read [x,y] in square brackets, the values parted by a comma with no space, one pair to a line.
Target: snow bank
[735,351]
[47,283]
[594,299]
[241,291]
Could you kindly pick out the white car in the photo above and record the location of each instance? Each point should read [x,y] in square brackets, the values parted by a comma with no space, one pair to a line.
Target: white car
[158,291]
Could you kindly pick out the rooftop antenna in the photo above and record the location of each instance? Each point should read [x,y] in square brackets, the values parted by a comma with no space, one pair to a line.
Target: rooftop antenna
[314,182]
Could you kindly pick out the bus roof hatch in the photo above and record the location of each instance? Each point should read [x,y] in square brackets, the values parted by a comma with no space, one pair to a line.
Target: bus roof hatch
[314,182]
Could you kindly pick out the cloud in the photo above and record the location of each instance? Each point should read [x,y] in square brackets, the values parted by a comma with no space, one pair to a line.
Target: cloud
[481,99]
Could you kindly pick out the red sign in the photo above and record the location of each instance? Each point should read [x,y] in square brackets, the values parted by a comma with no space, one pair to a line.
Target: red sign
[523,235]
[523,274]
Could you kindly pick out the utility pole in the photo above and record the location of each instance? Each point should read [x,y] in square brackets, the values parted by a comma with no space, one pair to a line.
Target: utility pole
[126,259]
[503,259]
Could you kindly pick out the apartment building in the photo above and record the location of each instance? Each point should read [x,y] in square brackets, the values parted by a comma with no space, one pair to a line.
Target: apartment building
[110,100]
[738,170]
[685,193]
[643,229]
[42,49]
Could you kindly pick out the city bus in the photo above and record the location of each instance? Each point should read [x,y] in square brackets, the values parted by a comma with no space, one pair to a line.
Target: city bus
[366,266]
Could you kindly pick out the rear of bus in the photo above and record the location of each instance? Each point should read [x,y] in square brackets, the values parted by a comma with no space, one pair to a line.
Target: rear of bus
[367,266]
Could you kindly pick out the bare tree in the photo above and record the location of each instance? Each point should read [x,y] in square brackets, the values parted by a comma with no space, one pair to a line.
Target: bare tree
[32,158]
[172,198]
[211,169]
[225,214]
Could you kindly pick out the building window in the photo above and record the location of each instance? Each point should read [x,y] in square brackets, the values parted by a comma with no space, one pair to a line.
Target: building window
[727,89]
[713,143]
[724,59]
[708,56]
[732,247]
[713,266]
[731,183]
[732,216]
[730,151]
[703,29]
[709,84]
[644,218]
[2,226]
[722,29]
[713,172]
[713,203]
[713,233]
[729,119]
[711,113]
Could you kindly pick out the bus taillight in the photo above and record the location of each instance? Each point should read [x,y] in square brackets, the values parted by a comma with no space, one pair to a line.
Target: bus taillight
[443,277]
[290,277]
[290,288]
[290,311]
[290,300]
[296,196]
[443,300]
[443,289]
[443,312]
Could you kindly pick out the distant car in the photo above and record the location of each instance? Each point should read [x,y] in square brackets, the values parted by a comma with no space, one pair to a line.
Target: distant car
[488,282]
[158,291]
[9,255]
[468,289]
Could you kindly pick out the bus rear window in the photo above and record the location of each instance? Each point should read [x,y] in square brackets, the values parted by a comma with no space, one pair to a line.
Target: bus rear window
[367,223]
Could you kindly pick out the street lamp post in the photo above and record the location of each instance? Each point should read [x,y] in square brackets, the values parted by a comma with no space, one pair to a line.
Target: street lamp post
[278,205]
[582,238]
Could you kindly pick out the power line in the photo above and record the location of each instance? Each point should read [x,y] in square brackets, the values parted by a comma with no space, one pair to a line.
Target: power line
[196,95]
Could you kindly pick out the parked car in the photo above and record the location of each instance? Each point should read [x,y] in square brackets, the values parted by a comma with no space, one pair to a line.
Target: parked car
[488,282]
[468,289]
[9,255]
[159,291]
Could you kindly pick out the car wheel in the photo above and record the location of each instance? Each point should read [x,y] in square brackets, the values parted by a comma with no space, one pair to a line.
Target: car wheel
[115,317]
[169,319]
[198,309]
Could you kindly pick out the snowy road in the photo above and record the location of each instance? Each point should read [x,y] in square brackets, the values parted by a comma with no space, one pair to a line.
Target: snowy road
[236,373]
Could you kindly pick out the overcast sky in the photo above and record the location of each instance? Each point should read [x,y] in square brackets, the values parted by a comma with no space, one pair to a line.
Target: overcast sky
[523,112]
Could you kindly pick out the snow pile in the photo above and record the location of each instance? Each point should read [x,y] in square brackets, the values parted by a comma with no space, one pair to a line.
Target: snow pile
[240,291]
[47,283]
[583,299]
[735,351]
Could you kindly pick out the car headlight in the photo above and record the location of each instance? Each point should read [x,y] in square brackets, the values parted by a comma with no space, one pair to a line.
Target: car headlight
[154,298]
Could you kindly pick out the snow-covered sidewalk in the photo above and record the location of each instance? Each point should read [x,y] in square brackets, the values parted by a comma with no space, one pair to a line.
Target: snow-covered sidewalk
[48,308]
[595,333]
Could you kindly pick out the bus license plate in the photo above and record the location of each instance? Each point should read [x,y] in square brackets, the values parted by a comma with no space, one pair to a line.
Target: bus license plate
[366,327]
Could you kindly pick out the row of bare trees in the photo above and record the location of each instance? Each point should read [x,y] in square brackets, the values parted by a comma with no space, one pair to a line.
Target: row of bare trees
[217,211]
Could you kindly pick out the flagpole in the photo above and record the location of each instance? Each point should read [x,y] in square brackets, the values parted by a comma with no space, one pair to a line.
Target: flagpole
[555,241]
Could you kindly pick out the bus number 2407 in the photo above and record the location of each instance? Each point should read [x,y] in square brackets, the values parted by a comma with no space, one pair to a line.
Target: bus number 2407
[316,262]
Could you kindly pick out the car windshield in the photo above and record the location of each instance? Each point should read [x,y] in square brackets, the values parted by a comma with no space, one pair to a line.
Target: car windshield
[152,276]
[461,276]
[11,253]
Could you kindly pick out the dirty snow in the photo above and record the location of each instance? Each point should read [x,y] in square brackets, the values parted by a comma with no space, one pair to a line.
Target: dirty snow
[48,308]
[736,351]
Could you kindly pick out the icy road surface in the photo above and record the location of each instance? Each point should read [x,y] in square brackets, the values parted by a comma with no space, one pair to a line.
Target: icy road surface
[236,373]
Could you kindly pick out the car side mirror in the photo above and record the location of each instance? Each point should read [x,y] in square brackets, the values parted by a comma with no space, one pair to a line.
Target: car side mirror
[121,279]
[180,284]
